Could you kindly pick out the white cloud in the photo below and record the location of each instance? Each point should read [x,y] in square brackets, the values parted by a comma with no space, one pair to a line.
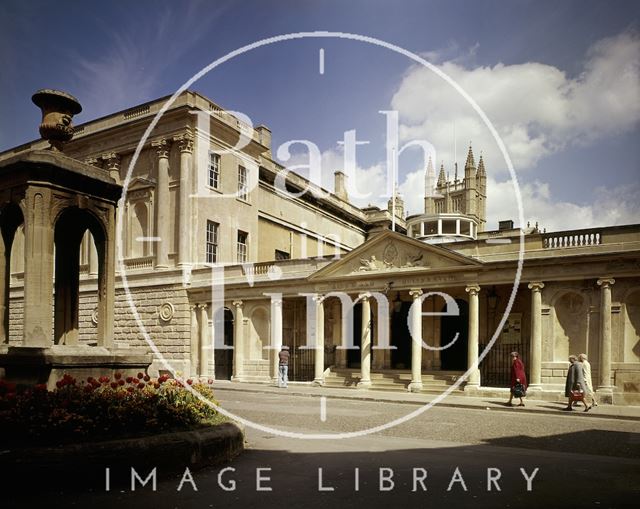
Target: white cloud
[536,108]
[611,207]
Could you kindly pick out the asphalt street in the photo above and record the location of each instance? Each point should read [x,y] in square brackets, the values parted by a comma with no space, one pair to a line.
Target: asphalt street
[445,457]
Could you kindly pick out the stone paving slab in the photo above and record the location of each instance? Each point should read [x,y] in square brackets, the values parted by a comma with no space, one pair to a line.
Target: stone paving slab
[453,400]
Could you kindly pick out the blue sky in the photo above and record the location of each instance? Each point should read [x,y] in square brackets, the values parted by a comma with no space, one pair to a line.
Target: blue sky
[559,80]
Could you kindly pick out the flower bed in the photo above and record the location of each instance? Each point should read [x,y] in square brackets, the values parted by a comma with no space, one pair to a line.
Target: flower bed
[102,409]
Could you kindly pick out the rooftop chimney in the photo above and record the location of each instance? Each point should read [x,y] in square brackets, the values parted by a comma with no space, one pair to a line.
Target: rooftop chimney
[340,188]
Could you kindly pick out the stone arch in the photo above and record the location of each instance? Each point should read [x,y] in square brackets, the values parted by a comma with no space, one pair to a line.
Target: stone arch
[631,346]
[69,229]
[570,323]
[11,218]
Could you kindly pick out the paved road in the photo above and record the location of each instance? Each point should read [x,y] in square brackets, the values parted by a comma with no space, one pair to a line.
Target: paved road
[582,462]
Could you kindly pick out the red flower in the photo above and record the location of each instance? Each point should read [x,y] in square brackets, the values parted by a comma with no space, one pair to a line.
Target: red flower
[120,382]
[104,379]
[141,385]
[117,376]
[210,381]
[40,387]
[147,378]
[114,385]
[59,384]
[131,389]
[88,388]
[129,379]
[140,376]
[190,382]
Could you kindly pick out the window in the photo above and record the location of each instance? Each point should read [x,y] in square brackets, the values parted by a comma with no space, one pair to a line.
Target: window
[465,228]
[242,246]
[431,228]
[212,241]
[243,191]
[214,170]
[282,255]
[449,226]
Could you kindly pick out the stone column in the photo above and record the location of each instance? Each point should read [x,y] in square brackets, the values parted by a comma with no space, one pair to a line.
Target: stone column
[38,269]
[605,384]
[107,283]
[535,363]
[205,348]
[341,353]
[365,344]
[276,336]
[194,351]
[318,378]
[163,209]
[238,342]
[112,164]
[93,256]
[474,327]
[185,143]
[416,341]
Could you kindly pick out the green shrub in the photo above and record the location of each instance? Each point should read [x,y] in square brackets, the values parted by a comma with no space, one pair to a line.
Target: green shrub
[102,409]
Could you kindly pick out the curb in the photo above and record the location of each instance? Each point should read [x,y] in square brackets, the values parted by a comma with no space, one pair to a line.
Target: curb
[168,453]
[382,399]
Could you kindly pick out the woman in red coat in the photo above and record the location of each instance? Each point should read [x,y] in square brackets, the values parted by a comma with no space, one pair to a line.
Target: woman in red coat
[518,377]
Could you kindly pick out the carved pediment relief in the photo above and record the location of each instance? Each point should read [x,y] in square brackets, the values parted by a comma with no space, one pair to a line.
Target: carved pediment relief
[393,252]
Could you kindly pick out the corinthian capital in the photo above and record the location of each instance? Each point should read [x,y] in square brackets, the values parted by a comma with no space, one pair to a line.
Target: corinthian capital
[185,141]
[162,146]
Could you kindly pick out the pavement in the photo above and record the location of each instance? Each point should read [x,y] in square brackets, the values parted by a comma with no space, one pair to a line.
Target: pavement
[454,400]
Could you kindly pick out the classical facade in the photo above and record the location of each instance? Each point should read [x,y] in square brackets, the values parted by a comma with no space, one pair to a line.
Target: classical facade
[214,256]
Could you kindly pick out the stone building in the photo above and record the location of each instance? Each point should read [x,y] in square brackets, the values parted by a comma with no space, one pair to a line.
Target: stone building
[214,256]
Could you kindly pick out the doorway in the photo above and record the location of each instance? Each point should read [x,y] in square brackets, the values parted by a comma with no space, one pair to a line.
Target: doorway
[401,338]
[223,358]
[454,358]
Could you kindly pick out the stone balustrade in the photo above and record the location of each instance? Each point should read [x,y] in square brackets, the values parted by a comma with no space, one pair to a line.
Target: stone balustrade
[578,238]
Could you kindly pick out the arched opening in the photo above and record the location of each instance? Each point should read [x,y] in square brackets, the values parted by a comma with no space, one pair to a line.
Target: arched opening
[70,228]
[401,337]
[139,230]
[223,358]
[632,328]
[354,359]
[10,219]
[454,358]
[262,335]
[571,320]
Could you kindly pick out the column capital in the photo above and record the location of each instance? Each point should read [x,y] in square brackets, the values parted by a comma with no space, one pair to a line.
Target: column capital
[185,141]
[202,305]
[536,286]
[318,298]
[364,297]
[91,160]
[472,289]
[606,282]
[415,293]
[238,304]
[162,146]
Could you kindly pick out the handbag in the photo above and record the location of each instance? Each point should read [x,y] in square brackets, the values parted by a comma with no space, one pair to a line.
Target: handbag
[577,394]
[518,390]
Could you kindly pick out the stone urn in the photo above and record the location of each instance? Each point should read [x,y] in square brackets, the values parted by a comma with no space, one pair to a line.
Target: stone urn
[58,108]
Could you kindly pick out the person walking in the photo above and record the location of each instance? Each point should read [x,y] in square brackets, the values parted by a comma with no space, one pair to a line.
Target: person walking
[574,385]
[283,366]
[586,373]
[518,379]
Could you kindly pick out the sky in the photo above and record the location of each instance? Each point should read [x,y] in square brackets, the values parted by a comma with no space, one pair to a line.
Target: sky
[558,81]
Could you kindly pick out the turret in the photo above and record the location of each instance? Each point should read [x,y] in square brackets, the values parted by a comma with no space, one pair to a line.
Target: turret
[429,188]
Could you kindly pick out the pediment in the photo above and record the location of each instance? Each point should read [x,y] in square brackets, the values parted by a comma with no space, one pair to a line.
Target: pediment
[138,183]
[391,252]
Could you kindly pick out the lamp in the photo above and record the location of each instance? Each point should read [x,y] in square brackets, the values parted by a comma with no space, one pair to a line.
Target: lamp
[492,298]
